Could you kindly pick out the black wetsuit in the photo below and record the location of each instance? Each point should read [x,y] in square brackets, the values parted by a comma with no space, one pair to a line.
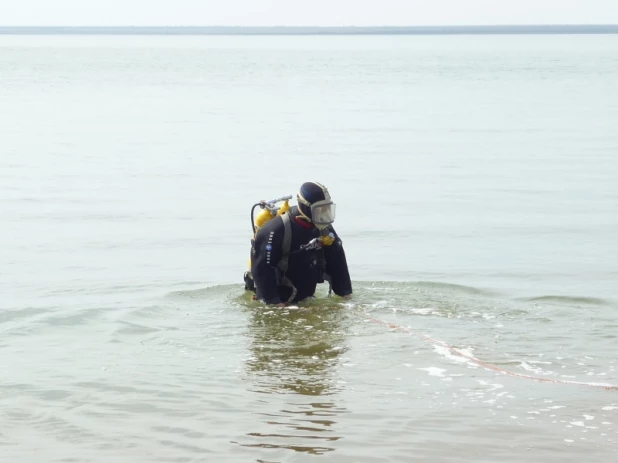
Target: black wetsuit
[305,268]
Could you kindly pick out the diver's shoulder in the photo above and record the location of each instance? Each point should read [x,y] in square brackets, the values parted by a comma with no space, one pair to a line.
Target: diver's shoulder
[273,225]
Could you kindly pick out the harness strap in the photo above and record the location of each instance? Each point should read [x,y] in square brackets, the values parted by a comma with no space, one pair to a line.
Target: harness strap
[285,255]
[327,277]
[286,245]
[286,281]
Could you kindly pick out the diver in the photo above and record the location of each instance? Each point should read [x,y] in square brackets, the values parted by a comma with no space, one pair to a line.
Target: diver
[298,249]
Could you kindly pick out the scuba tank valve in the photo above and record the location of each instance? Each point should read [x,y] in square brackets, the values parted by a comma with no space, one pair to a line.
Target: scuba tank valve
[269,211]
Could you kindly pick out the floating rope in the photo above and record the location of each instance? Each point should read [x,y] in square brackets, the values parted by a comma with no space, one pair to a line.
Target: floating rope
[480,363]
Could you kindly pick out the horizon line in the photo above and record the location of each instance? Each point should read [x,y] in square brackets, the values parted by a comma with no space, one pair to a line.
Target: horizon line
[317,30]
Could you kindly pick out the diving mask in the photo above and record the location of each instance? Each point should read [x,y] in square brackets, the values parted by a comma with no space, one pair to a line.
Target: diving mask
[323,212]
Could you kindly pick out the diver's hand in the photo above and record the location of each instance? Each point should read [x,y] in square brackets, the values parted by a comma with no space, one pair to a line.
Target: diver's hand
[281,304]
[348,296]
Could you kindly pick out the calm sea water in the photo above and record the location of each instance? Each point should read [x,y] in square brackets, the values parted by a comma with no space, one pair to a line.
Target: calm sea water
[476,180]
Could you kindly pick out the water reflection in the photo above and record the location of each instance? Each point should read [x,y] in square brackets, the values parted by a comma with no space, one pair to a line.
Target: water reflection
[294,359]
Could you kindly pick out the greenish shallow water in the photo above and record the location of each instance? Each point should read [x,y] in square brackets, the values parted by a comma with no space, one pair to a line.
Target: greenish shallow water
[476,186]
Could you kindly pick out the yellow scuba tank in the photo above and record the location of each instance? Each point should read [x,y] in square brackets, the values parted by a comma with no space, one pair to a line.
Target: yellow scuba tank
[268,214]
[269,211]
[263,216]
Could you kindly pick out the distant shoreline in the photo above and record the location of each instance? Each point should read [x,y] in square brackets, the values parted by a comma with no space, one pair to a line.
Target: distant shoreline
[222,30]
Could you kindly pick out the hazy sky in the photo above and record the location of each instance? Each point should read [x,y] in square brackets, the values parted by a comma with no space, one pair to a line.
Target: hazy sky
[306,12]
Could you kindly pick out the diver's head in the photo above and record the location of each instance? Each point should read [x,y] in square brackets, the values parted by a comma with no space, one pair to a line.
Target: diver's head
[315,204]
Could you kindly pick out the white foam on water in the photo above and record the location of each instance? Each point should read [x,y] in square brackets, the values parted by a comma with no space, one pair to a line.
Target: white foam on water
[292,307]
[578,423]
[467,352]
[446,352]
[424,311]
[494,386]
[526,366]
[433,371]
[609,408]
[589,417]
